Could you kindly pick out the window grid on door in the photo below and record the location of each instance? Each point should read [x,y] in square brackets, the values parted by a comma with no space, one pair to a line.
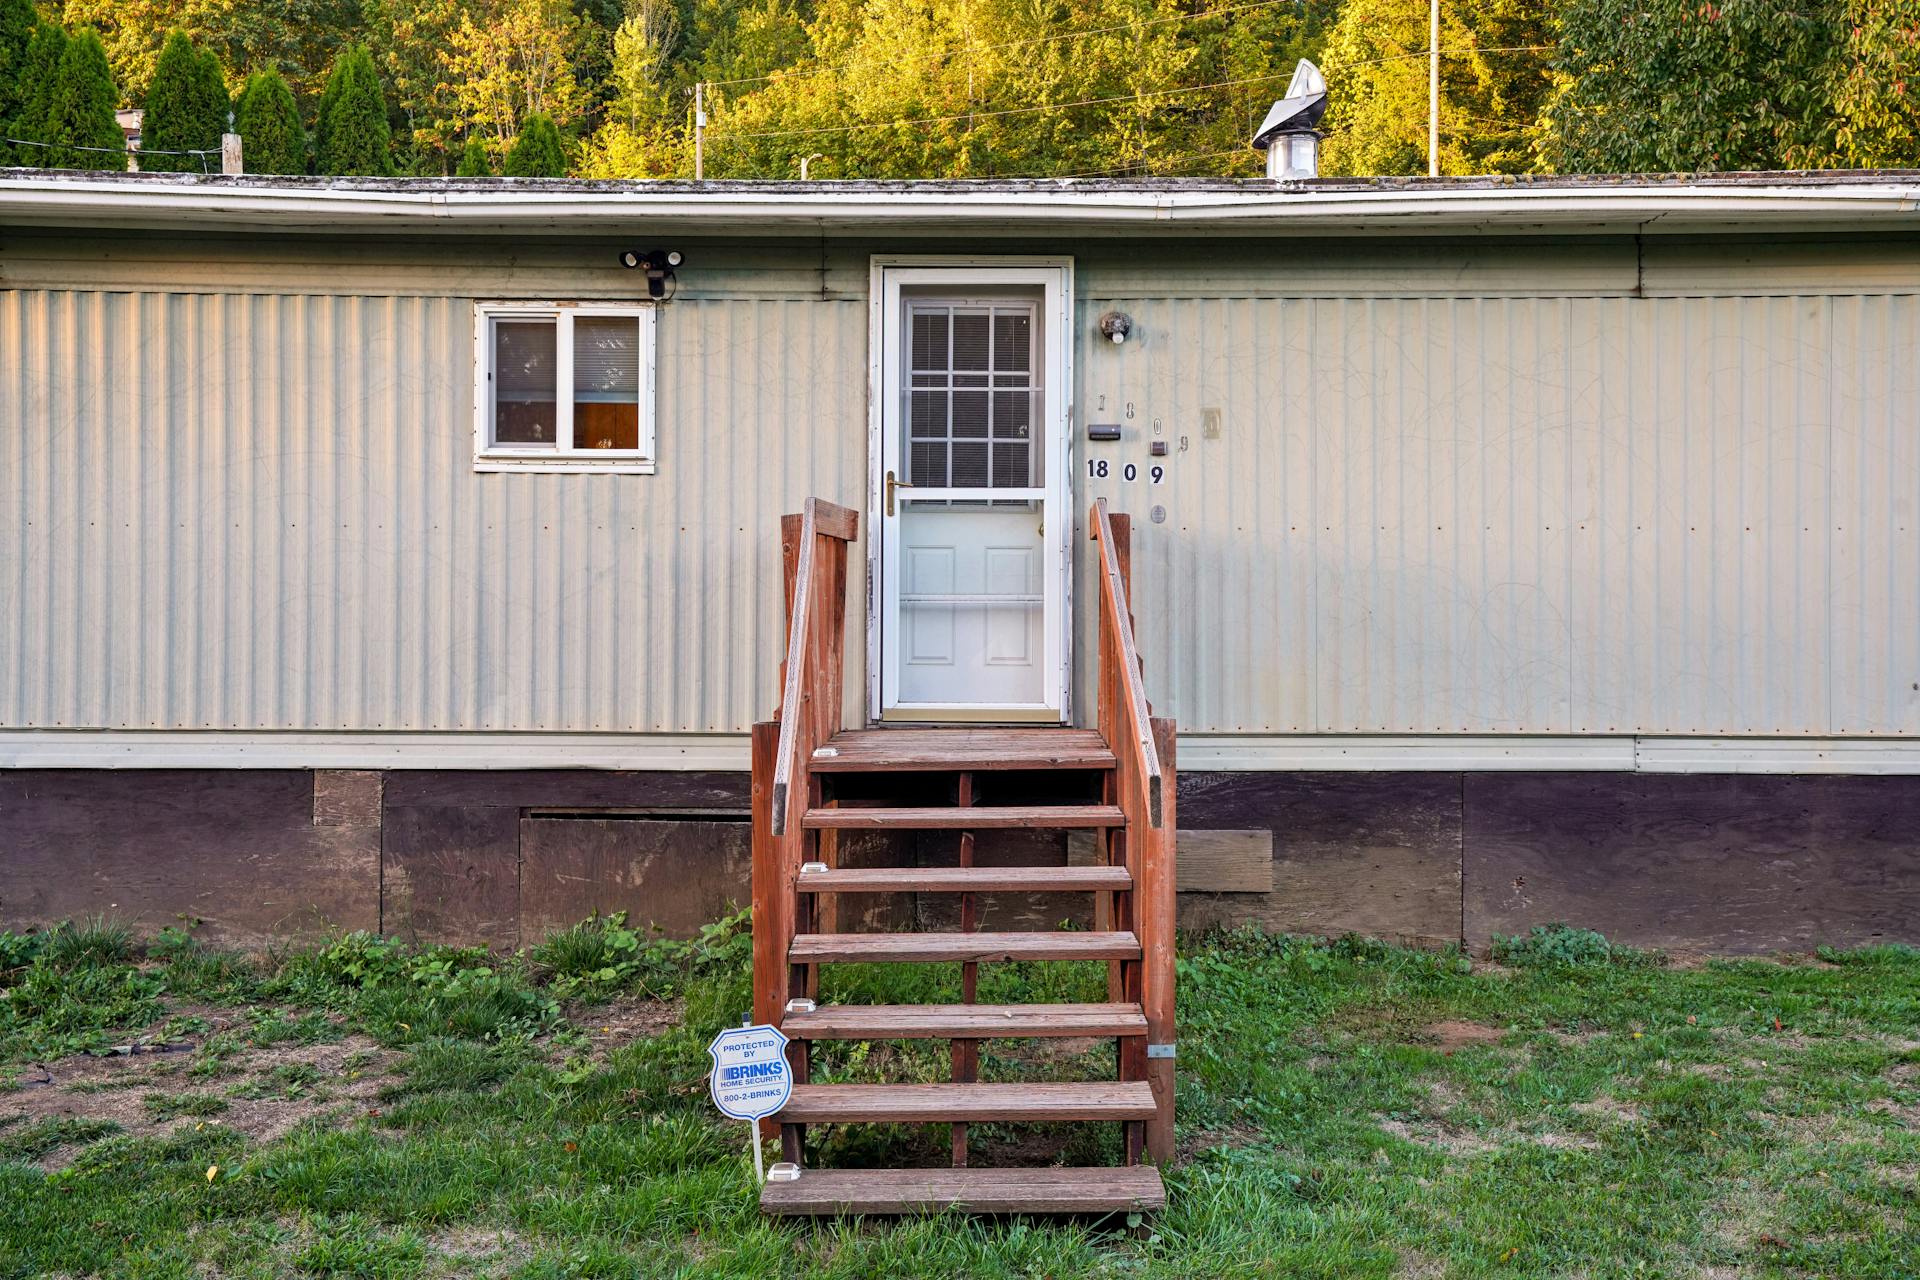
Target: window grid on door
[973,395]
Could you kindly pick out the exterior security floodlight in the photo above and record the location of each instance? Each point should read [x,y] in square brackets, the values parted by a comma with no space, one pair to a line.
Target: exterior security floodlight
[1290,134]
[659,264]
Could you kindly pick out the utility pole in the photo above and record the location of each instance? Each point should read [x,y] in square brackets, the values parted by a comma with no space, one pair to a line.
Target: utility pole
[700,129]
[1433,88]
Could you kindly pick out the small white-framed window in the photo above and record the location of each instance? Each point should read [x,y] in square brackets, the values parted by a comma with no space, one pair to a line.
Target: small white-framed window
[563,387]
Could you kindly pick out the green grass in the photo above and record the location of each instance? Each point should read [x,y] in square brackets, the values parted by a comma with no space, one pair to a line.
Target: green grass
[1347,1109]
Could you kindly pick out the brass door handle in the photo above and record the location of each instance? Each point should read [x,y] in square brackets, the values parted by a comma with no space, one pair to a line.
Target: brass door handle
[894,482]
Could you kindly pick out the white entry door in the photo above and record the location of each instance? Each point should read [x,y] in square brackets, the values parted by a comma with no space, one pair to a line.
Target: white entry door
[971,501]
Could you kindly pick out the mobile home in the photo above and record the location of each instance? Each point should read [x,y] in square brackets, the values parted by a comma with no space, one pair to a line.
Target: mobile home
[405,554]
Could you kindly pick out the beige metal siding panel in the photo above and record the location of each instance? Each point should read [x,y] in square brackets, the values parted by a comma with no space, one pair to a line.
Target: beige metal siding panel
[1524,515]
[259,512]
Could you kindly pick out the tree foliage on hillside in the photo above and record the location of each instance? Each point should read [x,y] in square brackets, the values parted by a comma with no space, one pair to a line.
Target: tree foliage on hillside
[980,88]
[1493,80]
[537,152]
[1681,85]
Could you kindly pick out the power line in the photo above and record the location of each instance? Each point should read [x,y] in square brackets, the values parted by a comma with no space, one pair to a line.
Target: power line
[1009,44]
[110,151]
[1006,111]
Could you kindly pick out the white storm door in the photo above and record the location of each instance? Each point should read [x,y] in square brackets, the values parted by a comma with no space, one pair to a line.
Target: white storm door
[972,508]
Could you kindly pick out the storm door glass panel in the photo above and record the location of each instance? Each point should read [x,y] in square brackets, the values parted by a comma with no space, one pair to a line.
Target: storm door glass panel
[972,396]
[972,604]
[525,387]
[606,382]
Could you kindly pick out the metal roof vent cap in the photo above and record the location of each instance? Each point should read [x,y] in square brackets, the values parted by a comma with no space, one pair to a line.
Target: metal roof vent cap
[1290,134]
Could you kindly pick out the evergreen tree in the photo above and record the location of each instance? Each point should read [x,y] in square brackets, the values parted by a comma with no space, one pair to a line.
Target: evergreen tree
[80,116]
[39,74]
[186,110]
[537,152]
[474,162]
[351,134]
[268,123]
[17,21]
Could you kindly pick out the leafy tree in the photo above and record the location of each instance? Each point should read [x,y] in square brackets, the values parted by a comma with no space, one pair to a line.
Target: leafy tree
[80,115]
[1876,86]
[1493,83]
[186,108]
[1691,85]
[271,140]
[474,162]
[17,21]
[537,152]
[409,40]
[351,134]
[515,59]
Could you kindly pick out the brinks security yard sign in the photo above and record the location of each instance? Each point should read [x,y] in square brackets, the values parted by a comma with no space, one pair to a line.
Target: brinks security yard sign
[750,1078]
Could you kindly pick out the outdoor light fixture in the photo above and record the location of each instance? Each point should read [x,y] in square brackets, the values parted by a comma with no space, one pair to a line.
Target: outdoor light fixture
[659,265]
[1290,135]
[1116,325]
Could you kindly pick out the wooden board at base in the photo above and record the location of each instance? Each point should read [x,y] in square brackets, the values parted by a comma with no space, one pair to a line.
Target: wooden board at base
[1134,1189]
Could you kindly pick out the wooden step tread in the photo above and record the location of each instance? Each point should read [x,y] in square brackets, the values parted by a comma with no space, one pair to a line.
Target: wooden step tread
[977,818]
[964,879]
[963,1021]
[933,948]
[1127,1189]
[960,750]
[939,1103]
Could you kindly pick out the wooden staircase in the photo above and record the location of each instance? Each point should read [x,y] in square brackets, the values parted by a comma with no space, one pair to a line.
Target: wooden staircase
[813,779]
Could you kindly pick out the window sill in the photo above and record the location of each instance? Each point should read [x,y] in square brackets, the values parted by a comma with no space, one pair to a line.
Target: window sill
[576,465]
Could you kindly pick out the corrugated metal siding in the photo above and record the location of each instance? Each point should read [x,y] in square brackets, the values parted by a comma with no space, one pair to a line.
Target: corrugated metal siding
[1523,515]
[254,511]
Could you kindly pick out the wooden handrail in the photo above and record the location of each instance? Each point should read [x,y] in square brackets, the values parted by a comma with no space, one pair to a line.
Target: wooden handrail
[1125,719]
[810,676]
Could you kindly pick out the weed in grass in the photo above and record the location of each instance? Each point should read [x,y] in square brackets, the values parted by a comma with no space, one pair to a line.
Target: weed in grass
[171,1106]
[1562,946]
[32,1141]
[442,1063]
[352,1248]
[95,942]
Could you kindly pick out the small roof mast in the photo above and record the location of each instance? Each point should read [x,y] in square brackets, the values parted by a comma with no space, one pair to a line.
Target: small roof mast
[1290,134]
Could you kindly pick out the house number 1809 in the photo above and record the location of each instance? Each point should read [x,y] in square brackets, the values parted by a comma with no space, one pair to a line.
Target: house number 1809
[1099,469]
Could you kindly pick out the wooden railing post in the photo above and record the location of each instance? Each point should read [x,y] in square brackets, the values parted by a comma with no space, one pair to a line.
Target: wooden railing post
[1143,788]
[813,553]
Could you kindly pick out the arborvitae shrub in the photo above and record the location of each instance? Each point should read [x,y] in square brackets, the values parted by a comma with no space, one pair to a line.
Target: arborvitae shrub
[80,119]
[351,135]
[537,152]
[186,110]
[271,140]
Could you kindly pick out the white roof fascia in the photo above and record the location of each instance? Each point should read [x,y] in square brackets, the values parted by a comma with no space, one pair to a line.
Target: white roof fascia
[996,209]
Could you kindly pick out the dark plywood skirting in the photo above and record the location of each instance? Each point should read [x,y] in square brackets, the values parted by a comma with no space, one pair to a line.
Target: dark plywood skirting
[1369,853]
[1736,864]
[1725,863]
[238,850]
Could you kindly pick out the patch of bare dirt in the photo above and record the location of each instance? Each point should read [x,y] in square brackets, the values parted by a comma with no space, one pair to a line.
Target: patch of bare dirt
[1438,1134]
[458,1250]
[625,1019]
[1561,1141]
[1609,1108]
[1234,1135]
[1450,1036]
[267,1091]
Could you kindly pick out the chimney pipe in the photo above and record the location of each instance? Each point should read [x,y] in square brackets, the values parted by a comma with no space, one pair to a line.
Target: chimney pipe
[1290,134]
